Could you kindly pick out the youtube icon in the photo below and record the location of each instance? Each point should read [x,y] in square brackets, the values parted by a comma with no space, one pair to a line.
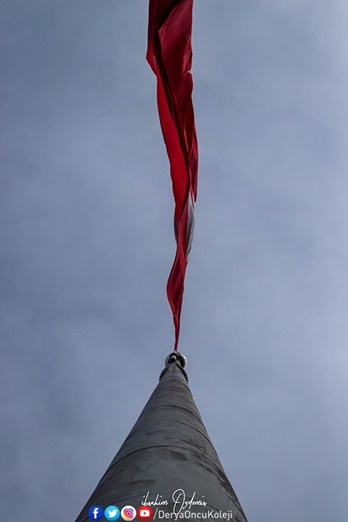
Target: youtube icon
[145,513]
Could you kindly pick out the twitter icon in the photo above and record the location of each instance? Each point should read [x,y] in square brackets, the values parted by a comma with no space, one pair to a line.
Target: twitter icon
[111,513]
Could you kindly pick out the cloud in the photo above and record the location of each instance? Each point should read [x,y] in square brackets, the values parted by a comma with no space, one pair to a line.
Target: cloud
[87,245]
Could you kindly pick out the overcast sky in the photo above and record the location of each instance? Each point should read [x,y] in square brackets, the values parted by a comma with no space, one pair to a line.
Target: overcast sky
[86,228]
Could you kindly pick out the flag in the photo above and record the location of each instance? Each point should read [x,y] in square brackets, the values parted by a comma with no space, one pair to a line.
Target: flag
[169,54]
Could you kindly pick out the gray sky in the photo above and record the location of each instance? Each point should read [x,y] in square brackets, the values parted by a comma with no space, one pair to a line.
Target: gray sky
[87,245]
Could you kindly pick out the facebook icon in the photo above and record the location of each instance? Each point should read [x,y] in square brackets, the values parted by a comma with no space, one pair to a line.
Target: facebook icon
[95,513]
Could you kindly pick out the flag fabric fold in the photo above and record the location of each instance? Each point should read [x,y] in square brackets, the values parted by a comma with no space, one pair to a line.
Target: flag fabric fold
[169,54]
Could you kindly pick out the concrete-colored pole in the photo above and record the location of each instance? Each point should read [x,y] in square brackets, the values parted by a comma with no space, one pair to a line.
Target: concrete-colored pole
[168,460]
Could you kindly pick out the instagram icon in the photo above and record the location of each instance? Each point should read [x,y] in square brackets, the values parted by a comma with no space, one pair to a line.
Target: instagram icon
[128,513]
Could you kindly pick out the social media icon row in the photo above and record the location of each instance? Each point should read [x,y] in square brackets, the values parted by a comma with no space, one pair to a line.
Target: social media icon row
[127,513]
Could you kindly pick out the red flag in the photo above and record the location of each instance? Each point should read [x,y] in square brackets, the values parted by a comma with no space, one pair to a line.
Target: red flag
[169,54]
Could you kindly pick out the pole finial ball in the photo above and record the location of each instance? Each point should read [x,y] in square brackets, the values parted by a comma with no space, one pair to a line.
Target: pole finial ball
[176,357]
